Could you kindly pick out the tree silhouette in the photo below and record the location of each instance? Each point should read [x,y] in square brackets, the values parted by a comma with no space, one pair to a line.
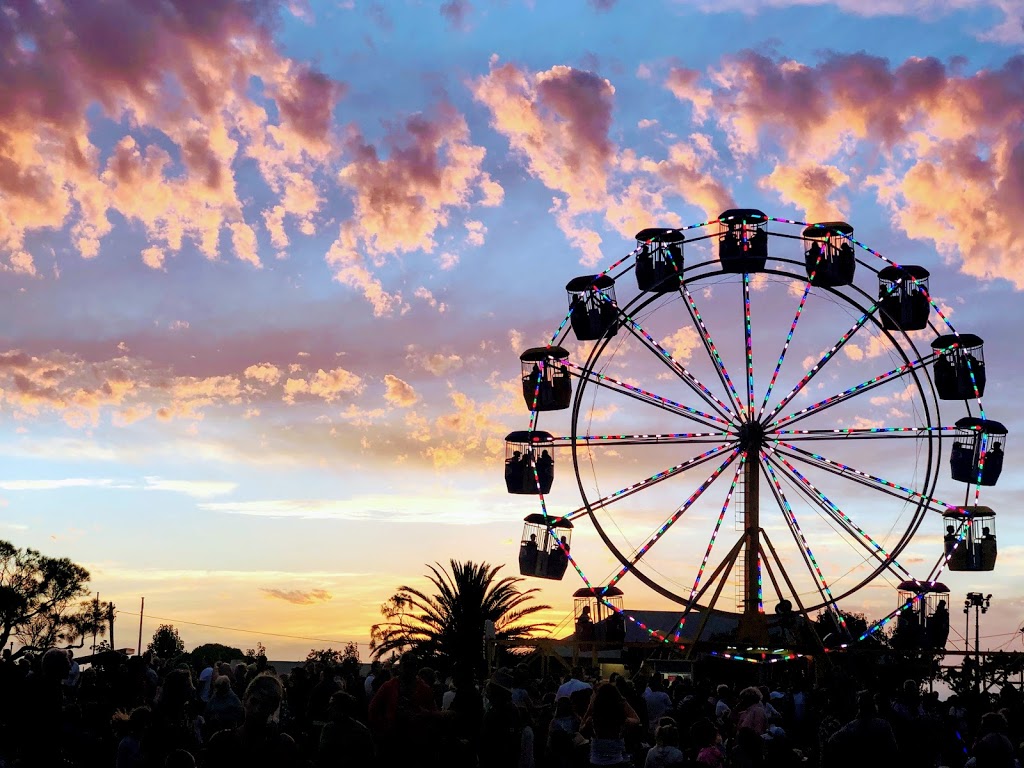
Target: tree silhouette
[39,598]
[166,643]
[449,624]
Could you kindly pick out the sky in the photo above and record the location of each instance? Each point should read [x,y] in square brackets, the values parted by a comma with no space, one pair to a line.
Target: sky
[267,268]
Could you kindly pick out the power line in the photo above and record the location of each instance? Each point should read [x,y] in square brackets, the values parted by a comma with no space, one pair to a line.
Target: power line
[237,629]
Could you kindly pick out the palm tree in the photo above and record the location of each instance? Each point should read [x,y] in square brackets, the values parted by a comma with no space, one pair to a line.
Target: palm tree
[450,623]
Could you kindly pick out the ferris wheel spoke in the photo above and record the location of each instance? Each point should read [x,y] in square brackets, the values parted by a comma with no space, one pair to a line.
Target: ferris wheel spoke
[785,348]
[747,333]
[718,525]
[869,433]
[800,539]
[647,482]
[682,438]
[664,403]
[859,389]
[817,367]
[840,469]
[638,555]
[691,381]
[858,534]
[709,347]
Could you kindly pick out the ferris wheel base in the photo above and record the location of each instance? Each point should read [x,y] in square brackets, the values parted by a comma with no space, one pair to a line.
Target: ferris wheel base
[753,630]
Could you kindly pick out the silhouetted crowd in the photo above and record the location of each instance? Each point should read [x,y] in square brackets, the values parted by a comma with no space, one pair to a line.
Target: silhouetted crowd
[142,712]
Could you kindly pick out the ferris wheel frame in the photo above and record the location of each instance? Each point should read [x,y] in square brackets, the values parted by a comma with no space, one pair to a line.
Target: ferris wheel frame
[926,390]
[913,307]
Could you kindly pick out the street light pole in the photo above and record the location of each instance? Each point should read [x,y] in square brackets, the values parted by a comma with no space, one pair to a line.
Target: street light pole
[980,603]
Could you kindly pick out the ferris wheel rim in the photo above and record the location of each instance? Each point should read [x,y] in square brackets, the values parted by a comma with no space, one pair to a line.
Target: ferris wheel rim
[934,445]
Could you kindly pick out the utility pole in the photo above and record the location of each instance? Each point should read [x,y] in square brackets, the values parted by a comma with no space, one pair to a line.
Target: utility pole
[110,624]
[142,610]
[94,627]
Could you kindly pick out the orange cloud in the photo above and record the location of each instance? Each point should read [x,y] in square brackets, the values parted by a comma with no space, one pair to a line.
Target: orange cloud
[398,392]
[177,74]
[558,122]
[400,201]
[944,150]
[298,596]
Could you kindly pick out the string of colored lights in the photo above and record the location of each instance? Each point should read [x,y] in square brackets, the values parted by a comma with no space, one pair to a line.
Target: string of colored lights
[860,473]
[679,369]
[967,359]
[772,658]
[709,345]
[787,507]
[760,585]
[640,391]
[860,430]
[653,439]
[789,338]
[750,348]
[829,503]
[977,395]
[821,363]
[655,478]
[852,391]
[638,555]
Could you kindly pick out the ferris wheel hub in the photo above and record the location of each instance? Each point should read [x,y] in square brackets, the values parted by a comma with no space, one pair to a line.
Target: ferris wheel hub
[751,436]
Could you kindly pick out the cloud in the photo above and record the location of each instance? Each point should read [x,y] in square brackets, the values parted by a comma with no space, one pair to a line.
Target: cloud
[200,489]
[298,596]
[379,509]
[55,484]
[437,363]
[133,389]
[399,393]
[917,132]
[809,188]
[266,373]
[193,83]
[682,343]
[1009,29]
[401,200]
[557,120]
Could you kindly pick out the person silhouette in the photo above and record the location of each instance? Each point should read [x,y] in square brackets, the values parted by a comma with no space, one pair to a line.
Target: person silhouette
[938,626]
[949,539]
[529,555]
[546,469]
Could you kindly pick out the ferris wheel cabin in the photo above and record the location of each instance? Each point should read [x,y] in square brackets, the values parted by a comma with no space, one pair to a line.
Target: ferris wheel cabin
[524,452]
[659,264]
[959,366]
[829,257]
[977,450]
[546,382]
[903,297]
[922,623]
[544,550]
[976,550]
[596,619]
[593,312]
[743,240]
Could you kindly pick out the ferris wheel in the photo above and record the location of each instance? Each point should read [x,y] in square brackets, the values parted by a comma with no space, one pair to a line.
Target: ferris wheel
[757,435]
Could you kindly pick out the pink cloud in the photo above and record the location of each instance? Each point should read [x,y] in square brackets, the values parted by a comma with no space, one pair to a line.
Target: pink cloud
[401,200]
[558,121]
[175,68]
[944,150]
